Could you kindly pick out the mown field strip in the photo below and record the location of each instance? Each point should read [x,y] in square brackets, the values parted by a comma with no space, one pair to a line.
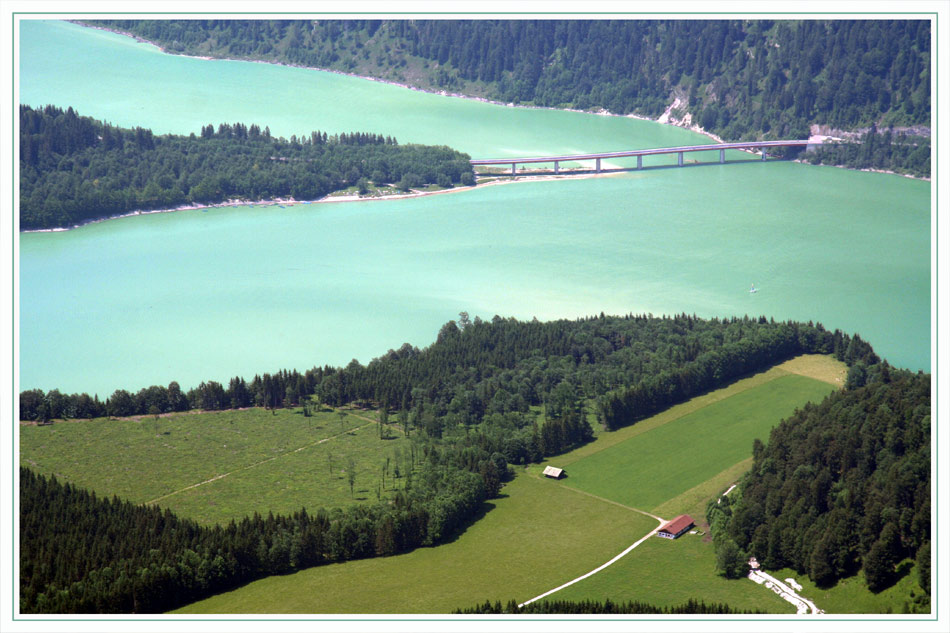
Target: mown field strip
[816,366]
[649,469]
[620,463]
[616,503]
[693,501]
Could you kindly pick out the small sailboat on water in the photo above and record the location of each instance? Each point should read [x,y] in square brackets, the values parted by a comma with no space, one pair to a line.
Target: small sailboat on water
[753,290]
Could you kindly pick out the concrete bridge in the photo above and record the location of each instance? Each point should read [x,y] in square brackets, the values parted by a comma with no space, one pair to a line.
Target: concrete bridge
[640,153]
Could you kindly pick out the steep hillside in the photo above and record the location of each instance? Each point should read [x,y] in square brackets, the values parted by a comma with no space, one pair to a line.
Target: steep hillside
[738,79]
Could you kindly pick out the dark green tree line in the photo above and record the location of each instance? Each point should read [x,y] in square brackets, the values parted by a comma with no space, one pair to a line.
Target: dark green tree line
[83,554]
[491,372]
[605,607]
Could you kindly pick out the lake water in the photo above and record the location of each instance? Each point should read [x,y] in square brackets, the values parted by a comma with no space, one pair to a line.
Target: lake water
[198,295]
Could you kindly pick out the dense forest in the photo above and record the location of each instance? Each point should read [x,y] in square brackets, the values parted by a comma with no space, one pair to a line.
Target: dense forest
[487,374]
[738,79]
[607,607]
[841,487]
[75,168]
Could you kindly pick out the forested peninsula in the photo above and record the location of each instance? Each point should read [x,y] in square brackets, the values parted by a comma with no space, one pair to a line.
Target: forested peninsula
[736,79]
[470,400]
[622,368]
[75,169]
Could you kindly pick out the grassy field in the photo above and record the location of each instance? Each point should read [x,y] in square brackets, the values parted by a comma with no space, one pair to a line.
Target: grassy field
[533,538]
[540,534]
[851,595]
[218,466]
[667,573]
[648,470]
[315,475]
[693,501]
[543,533]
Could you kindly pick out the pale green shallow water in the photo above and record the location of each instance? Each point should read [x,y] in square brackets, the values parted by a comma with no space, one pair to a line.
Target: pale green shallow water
[199,295]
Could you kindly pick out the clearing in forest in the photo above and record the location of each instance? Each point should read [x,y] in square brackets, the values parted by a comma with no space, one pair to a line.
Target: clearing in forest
[218,466]
[543,533]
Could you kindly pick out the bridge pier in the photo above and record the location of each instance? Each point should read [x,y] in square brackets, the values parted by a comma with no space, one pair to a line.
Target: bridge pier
[639,161]
[679,159]
[764,154]
[722,156]
[512,170]
[556,168]
[597,166]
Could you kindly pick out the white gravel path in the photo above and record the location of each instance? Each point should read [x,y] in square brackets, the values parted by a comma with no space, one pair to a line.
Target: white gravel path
[604,566]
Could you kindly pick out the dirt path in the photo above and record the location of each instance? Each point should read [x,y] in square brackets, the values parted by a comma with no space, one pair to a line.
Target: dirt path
[616,503]
[601,568]
[269,459]
[661,522]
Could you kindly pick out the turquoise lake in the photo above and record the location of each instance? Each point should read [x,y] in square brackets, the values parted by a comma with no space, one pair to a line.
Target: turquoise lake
[210,294]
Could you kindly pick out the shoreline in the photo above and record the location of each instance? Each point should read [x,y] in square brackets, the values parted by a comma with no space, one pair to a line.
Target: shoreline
[664,119]
[237,202]
[442,93]
[329,199]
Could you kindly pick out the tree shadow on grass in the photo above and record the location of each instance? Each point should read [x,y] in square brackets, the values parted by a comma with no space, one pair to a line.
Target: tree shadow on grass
[903,569]
[478,516]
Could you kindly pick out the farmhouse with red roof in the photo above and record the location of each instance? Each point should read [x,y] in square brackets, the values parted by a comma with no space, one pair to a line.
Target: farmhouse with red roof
[675,527]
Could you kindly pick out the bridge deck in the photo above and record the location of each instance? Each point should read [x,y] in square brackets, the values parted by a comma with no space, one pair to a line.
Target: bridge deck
[640,152]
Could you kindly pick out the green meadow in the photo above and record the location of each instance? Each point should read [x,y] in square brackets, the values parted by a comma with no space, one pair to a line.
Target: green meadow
[668,573]
[533,538]
[543,533]
[538,535]
[851,595]
[648,470]
[218,466]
